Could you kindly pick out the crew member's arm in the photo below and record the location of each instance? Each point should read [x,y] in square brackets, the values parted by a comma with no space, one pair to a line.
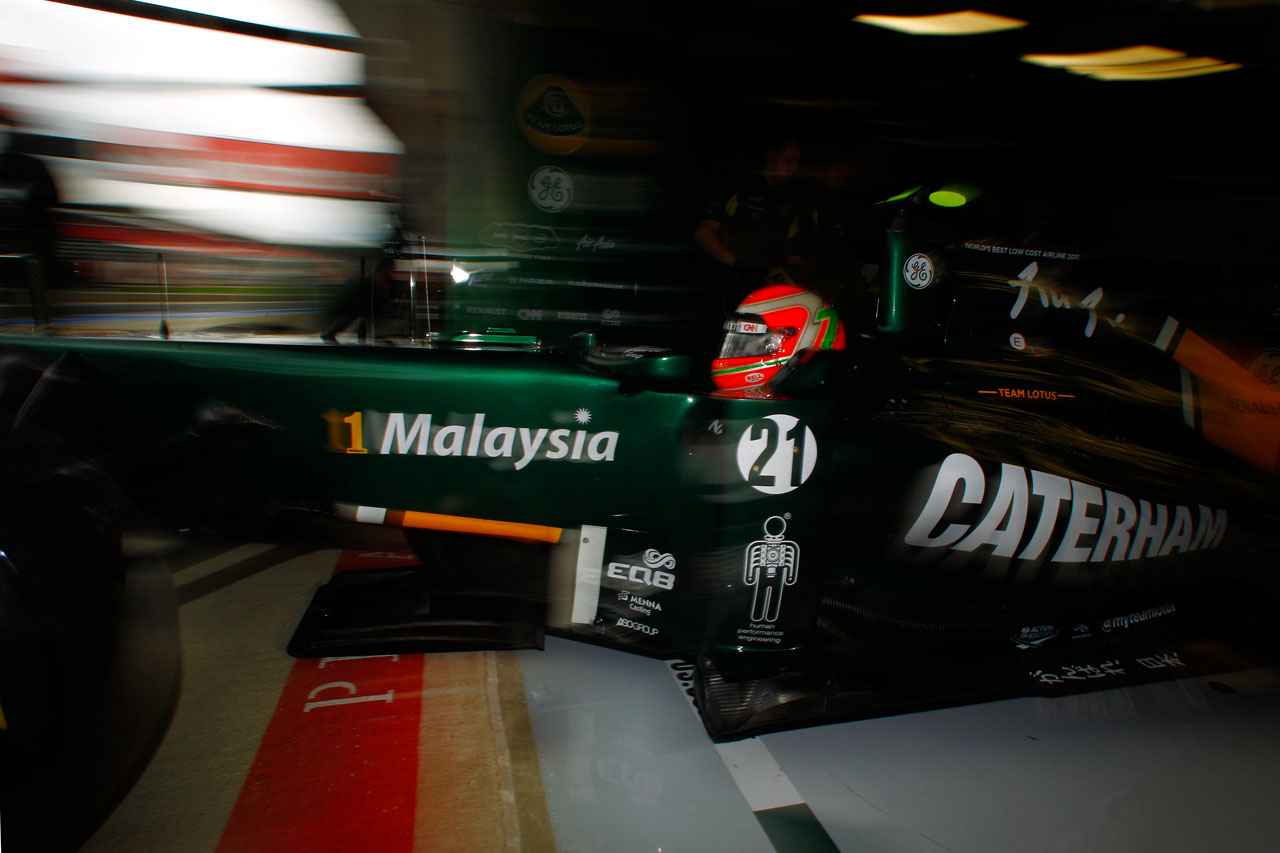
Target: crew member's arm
[709,234]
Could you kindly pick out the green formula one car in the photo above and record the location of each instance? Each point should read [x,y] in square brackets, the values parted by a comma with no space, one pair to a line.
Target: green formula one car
[979,480]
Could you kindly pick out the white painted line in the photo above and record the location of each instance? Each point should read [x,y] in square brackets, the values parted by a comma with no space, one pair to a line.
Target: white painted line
[217,563]
[758,775]
[586,588]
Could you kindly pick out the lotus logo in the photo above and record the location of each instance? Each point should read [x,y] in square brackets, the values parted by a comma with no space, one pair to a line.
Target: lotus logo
[554,114]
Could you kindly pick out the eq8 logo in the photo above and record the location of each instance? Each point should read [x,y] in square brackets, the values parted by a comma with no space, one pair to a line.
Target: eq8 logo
[777,454]
[650,574]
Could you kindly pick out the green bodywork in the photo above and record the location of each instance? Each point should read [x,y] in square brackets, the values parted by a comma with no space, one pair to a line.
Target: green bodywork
[992,441]
[501,433]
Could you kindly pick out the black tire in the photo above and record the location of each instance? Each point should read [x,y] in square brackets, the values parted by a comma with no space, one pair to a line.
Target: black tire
[89,646]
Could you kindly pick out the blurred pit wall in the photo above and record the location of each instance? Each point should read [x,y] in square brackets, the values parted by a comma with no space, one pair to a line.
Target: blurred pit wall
[214,169]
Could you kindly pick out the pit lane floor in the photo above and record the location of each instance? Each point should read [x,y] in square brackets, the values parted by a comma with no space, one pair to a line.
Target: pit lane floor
[578,748]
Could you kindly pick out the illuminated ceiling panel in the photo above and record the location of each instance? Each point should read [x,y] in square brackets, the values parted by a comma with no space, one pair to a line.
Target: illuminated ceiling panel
[1119,56]
[1140,62]
[966,23]
[1214,66]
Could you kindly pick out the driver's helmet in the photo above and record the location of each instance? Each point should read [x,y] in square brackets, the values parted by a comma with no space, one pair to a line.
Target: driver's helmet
[770,326]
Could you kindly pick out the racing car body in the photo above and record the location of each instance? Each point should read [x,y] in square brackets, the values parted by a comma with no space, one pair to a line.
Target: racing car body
[1001,485]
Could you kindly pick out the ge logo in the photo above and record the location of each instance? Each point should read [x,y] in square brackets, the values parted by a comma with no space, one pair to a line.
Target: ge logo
[550,189]
[777,454]
[918,271]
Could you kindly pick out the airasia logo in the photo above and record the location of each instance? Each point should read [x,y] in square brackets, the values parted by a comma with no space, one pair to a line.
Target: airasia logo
[776,454]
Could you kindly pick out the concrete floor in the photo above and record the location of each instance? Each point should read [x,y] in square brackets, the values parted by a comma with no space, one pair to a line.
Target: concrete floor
[578,748]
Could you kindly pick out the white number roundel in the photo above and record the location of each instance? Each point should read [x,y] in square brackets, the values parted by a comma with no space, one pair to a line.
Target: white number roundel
[776,454]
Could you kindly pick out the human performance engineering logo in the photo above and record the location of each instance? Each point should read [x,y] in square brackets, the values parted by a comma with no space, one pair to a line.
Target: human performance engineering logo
[776,454]
[424,434]
[772,564]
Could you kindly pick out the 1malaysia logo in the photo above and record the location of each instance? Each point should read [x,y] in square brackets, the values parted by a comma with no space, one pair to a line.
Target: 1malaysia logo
[412,433]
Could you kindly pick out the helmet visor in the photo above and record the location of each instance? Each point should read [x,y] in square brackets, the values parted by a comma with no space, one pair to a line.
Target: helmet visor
[749,336]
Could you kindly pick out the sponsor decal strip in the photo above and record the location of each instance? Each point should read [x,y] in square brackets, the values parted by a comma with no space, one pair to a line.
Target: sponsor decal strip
[413,434]
[450,523]
[1107,669]
[1022,251]
[783,814]
[1028,394]
[1117,529]
[1118,622]
[586,585]
[773,362]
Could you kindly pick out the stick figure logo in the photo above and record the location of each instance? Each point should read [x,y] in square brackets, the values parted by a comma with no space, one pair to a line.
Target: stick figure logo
[772,563]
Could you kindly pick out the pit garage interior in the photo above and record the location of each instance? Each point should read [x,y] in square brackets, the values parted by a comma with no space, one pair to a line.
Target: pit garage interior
[576,747]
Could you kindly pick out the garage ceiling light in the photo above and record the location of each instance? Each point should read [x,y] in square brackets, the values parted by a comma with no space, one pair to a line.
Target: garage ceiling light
[968,23]
[1190,67]
[1119,56]
[1140,62]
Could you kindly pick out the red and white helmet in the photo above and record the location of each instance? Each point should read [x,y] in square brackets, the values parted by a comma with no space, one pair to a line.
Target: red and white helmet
[772,325]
